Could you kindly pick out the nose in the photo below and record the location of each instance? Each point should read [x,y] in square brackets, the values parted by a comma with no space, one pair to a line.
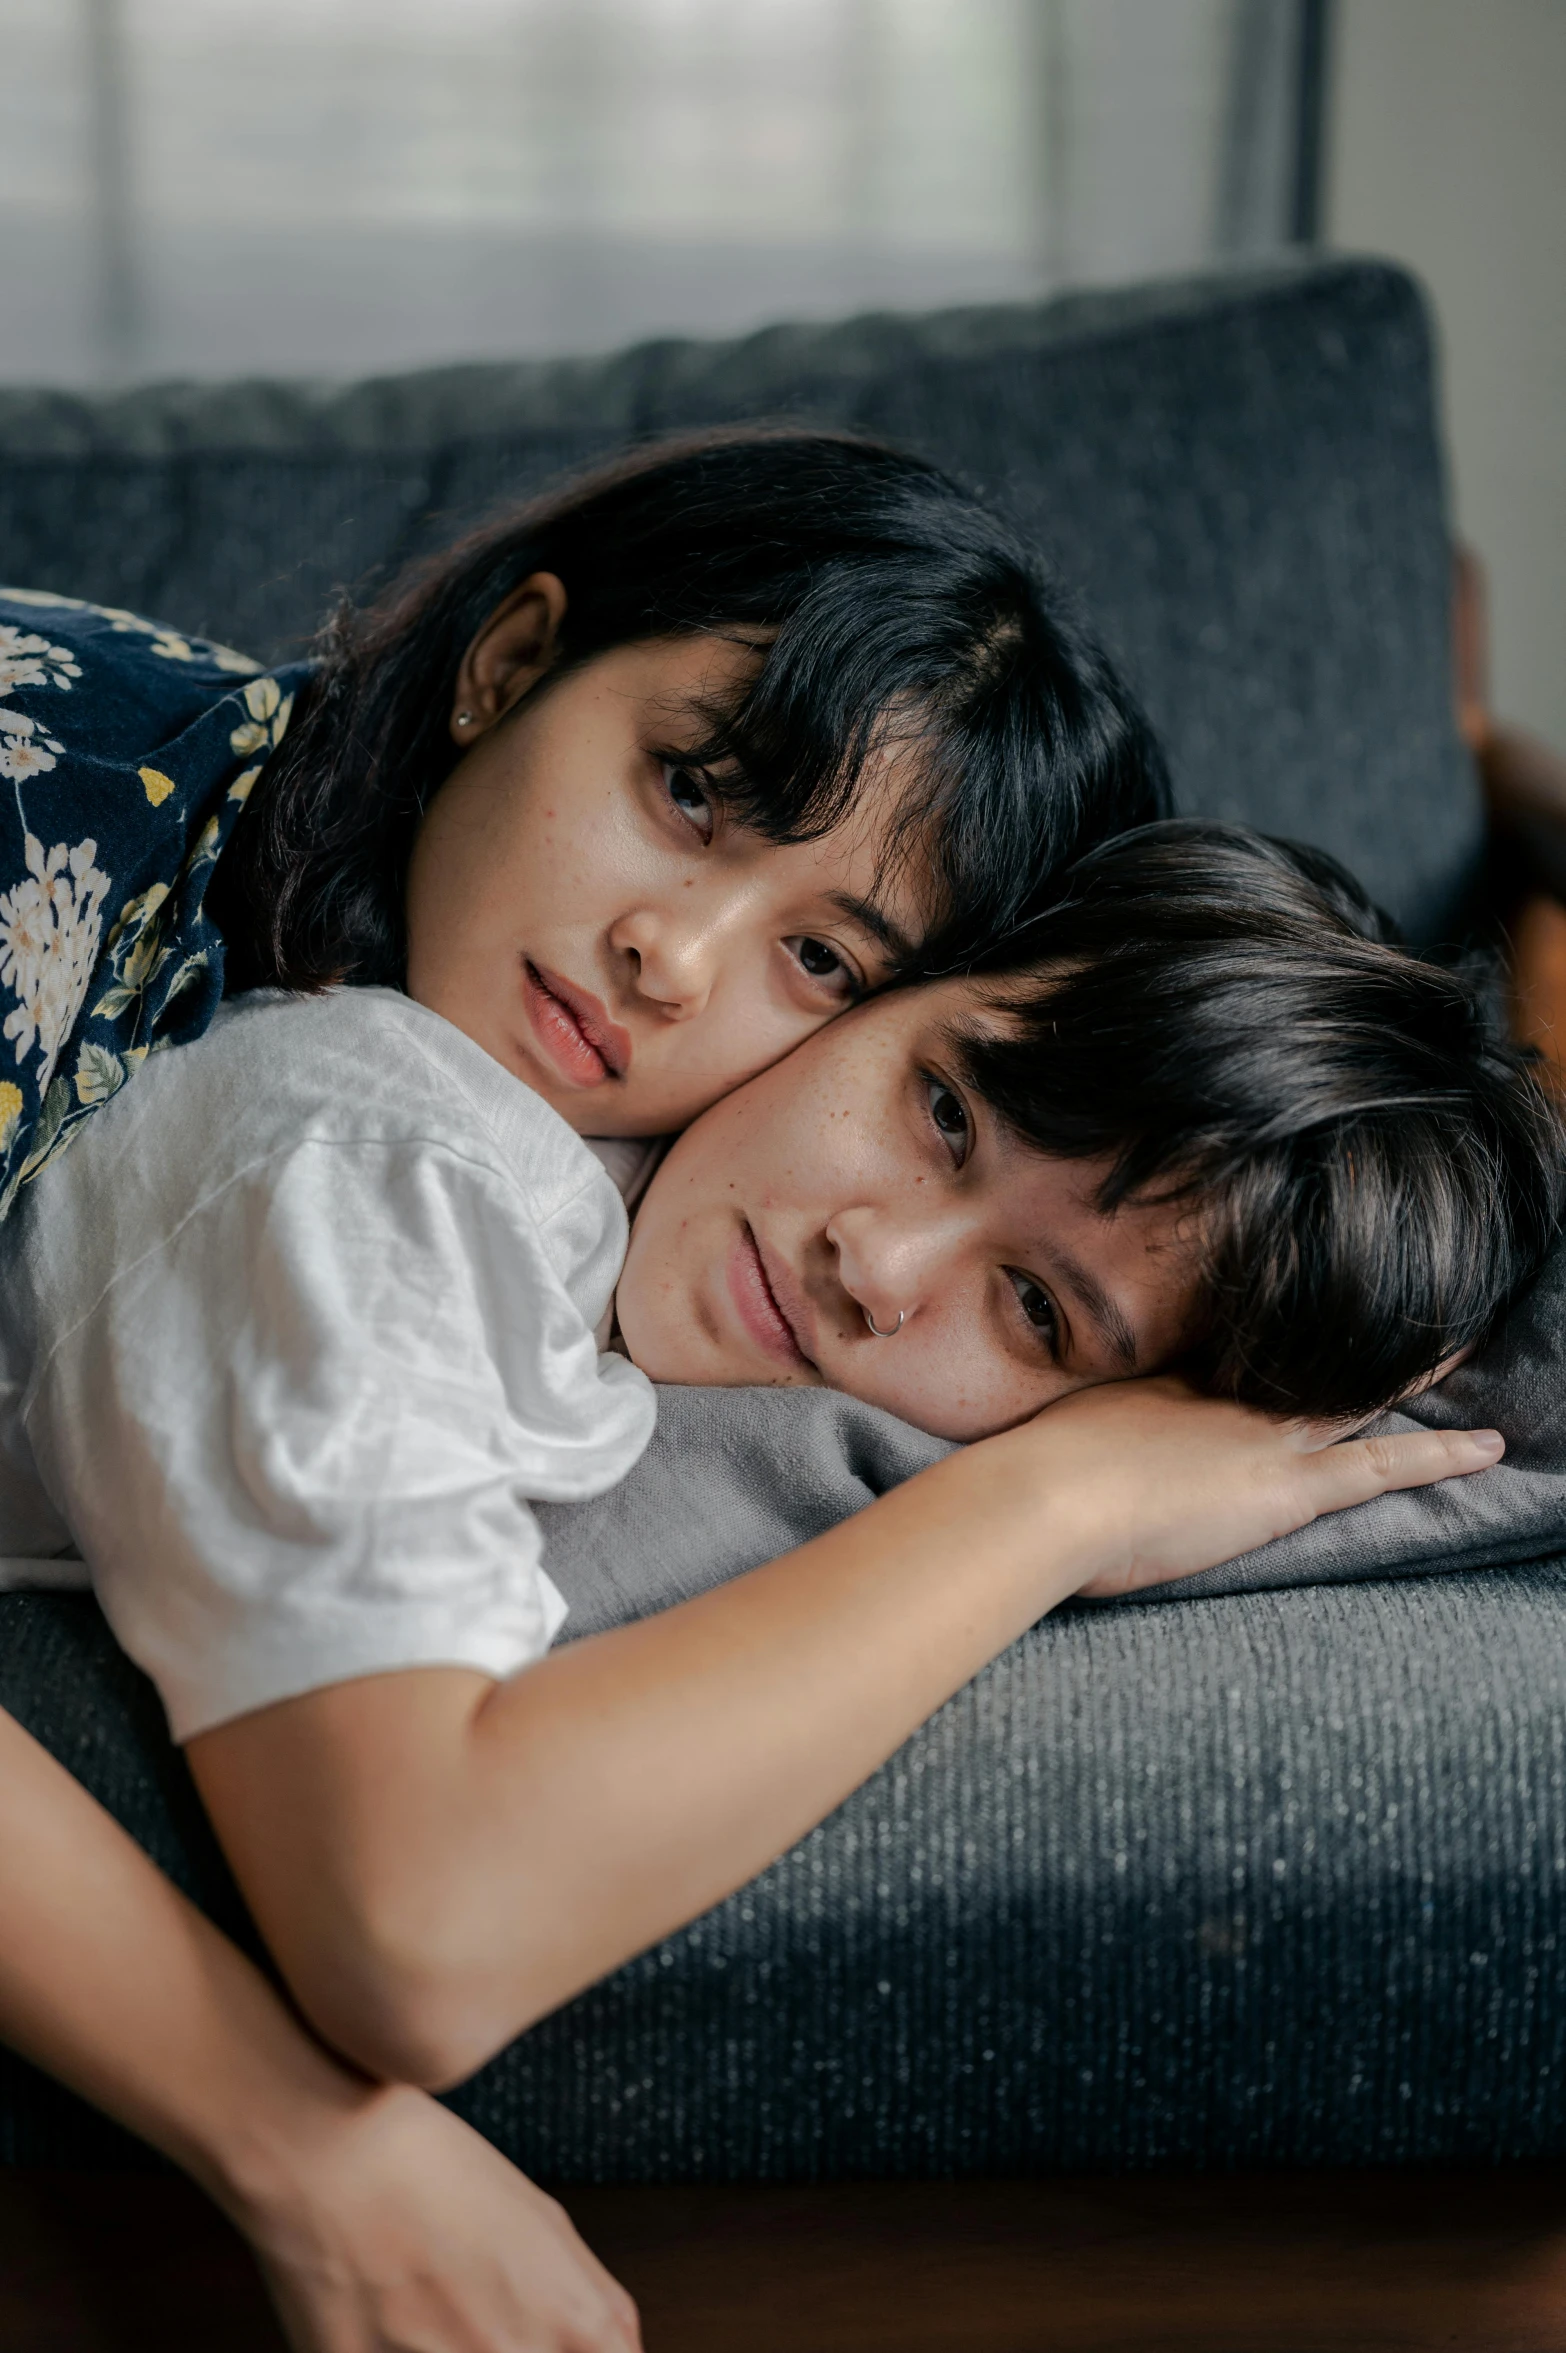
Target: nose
[672,957]
[890,1269]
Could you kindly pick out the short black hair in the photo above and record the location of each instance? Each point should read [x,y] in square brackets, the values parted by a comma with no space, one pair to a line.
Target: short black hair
[881,597]
[1227,1021]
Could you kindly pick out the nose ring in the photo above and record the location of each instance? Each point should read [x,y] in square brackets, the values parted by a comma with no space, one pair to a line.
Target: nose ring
[876,1332]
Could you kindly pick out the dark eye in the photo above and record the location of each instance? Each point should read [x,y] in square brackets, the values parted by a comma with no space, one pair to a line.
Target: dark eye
[950,1115]
[826,965]
[1037,1306]
[690,796]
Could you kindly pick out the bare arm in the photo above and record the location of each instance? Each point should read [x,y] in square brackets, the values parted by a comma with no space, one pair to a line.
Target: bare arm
[380,2220]
[437,1860]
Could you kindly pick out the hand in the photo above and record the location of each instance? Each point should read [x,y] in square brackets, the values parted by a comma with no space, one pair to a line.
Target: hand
[402,2231]
[1157,1483]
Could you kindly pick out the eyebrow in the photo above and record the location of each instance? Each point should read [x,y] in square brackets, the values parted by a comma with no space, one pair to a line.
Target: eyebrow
[1106,1312]
[875,920]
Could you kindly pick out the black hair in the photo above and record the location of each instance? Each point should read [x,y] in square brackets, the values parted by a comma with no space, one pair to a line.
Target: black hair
[1227,1022]
[880,598]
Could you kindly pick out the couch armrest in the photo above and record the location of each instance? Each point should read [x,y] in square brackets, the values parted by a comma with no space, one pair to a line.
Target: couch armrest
[1524,778]
[1524,782]
[1536,969]
[1525,787]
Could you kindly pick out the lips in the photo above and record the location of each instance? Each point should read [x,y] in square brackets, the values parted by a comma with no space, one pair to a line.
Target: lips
[573,1029]
[764,1300]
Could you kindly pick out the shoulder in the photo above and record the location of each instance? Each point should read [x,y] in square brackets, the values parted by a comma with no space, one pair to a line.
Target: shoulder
[55,631]
[132,684]
[353,1129]
[354,1103]
[369,1065]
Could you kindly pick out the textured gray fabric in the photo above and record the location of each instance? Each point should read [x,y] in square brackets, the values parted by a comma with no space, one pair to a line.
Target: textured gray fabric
[733,1477]
[1241,474]
[1272,1880]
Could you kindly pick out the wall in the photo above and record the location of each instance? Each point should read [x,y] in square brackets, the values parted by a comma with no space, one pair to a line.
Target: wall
[1448,150]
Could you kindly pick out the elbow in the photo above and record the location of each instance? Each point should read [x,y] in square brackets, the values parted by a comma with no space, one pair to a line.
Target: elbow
[408,2004]
[400,2031]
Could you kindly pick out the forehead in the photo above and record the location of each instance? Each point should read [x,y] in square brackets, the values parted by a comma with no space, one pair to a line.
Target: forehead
[678,673]
[1127,1277]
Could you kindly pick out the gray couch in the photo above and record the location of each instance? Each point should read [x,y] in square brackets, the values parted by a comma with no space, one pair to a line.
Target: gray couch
[1270,1878]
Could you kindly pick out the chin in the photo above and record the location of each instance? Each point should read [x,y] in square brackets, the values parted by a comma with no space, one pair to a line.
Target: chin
[658,1352]
[689,1359]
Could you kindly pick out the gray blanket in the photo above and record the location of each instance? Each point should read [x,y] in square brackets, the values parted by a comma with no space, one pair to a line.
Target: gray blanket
[733,1477]
[736,1476]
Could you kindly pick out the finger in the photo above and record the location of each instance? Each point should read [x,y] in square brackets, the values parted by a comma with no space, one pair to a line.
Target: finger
[591,2306]
[1311,1437]
[628,2321]
[608,2332]
[598,2275]
[631,2325]
[1366,1467]
[616,2326]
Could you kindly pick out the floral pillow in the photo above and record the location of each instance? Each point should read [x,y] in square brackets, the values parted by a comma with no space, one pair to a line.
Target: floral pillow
[129,751]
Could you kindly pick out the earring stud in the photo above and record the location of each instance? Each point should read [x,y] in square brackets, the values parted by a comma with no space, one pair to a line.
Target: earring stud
[876,1332]
[464,718]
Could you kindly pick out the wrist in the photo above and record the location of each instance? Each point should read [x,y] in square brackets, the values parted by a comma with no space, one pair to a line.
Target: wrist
[268,2129]
[1022,1502]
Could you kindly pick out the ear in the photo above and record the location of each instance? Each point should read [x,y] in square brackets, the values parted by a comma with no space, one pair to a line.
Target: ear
[511,653]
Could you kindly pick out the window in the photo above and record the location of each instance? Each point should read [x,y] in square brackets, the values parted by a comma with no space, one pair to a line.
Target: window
[336,186]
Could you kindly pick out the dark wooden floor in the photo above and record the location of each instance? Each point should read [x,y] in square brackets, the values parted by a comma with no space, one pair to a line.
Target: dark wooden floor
[1357,2263]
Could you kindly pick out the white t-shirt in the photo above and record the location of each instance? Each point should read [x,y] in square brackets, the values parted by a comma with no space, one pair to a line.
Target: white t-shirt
[289,1337]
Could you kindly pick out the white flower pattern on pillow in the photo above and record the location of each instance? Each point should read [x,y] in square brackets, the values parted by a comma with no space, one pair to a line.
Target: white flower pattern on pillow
[26,749]
[50,927]
[26,660]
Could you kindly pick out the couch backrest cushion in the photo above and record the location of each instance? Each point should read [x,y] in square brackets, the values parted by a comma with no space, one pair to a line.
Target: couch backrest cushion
[1240,472]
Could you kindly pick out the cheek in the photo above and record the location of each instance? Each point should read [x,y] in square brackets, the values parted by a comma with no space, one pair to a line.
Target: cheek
[543,833]
[549,857]
[770,1132]
[651,1300]
[470,852]
[746,1033]
[954,1385]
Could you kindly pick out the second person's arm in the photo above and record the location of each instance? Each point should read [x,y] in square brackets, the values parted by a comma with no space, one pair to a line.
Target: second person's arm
[437,1859]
